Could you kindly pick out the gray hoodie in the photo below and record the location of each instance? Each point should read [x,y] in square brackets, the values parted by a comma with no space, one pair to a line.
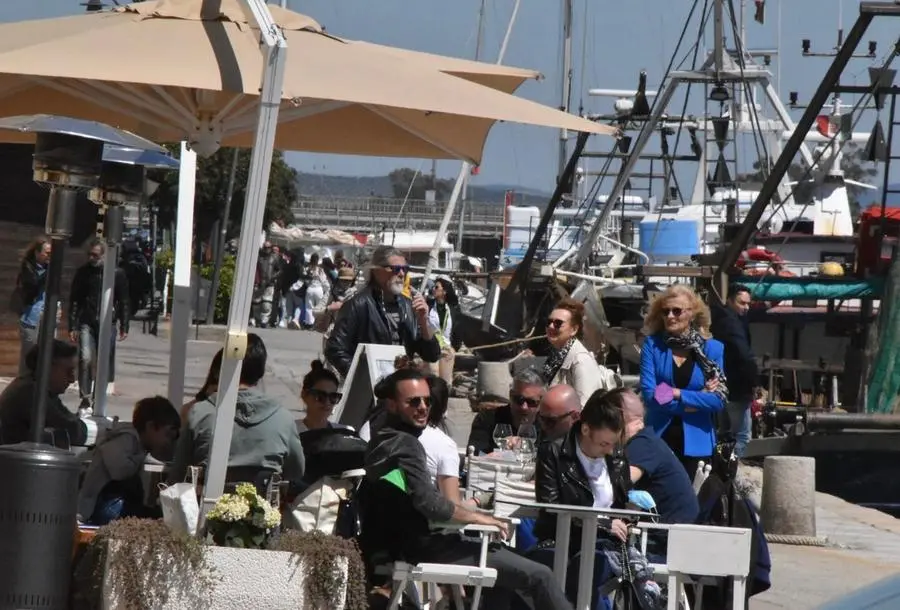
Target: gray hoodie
[118,457]
[264,436]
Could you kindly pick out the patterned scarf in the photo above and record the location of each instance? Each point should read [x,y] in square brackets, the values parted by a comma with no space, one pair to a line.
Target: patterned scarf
[555,361]
[692,341]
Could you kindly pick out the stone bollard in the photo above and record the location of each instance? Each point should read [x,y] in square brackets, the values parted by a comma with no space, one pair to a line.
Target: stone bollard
[494,379]
[789,496]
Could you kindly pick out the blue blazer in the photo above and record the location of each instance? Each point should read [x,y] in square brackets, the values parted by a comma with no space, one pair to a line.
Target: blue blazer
[699,425]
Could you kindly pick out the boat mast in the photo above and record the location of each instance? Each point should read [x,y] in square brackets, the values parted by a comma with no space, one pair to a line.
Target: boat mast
[565,81]
[479,39]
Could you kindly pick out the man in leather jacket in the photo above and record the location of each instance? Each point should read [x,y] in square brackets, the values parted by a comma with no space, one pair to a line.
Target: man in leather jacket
[84,316]
[379,313]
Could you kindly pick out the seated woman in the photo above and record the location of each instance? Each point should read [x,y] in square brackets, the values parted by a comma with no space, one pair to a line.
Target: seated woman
[570,362]
[319,392]
[264,440]
[209,386]
[112,486]
[584,468]
[682,380]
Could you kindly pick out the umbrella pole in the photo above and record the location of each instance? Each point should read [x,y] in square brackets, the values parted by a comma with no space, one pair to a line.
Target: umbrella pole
[221,238]
[181,290]
[274,49]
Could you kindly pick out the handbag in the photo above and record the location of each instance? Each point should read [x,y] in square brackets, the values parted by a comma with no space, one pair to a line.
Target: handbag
[318,508]
[180,507]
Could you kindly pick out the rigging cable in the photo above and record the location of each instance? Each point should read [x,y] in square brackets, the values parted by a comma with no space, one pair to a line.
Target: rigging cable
[707,10]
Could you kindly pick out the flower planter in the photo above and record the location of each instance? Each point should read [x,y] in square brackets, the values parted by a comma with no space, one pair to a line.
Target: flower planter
[242,579]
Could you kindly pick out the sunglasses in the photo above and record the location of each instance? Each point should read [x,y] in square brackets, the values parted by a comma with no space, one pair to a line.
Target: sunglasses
[518,399]
[323,396]
[675,311]
[555,323]
[397,269]
[552,420]
[417,401]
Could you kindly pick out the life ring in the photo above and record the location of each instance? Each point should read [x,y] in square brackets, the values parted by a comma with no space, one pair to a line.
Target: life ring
[758,255]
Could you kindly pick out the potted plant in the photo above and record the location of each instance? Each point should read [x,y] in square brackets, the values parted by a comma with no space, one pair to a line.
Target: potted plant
[243,562]
[243,520]
[142,564]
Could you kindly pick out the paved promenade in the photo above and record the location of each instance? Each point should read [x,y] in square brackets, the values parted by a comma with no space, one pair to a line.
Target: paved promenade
[864,543]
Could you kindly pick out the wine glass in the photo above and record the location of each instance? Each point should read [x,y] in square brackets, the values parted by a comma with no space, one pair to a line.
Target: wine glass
[501,433]
[527,448]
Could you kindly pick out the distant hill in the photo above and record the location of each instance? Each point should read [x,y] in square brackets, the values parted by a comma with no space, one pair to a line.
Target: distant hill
[319,185]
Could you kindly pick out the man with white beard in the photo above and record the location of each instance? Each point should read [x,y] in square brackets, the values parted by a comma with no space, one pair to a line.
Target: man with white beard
[379,313]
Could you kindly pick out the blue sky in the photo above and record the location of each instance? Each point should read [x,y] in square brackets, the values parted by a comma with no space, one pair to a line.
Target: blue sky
[622,38]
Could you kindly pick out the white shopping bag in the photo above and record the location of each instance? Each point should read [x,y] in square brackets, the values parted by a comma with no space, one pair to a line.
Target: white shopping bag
[317,508]
[180,508]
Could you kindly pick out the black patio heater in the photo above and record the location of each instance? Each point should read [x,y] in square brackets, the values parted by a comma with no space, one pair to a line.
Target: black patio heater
[38,503]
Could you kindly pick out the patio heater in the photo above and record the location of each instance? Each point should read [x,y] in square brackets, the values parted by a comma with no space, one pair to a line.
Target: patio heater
[122,181]
[37,508]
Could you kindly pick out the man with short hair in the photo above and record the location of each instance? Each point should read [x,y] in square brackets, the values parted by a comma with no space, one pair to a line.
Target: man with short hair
[400,504]
[559,410]
[525,397]
[17,402]
[264,440]
[729,325]
[84,318]
[654,468]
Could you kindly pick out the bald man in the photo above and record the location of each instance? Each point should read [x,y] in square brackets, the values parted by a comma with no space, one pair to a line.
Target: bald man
[559,410]
[654,468]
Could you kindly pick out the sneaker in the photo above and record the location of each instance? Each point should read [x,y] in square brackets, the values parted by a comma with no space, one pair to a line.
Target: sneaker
[85,409]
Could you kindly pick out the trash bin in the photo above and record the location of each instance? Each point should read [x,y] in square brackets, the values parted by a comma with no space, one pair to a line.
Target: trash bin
[37,526]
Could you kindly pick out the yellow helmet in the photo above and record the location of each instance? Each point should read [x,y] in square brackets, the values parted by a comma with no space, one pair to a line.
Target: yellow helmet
[831,268]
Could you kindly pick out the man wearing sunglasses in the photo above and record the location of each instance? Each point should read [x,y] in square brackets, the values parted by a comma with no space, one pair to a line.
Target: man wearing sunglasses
[400,505]
[379,313]
[524,399]
[559,411]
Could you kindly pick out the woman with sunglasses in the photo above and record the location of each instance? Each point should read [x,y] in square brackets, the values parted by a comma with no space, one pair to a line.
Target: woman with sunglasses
[319,393]
[570,362]
[682,375]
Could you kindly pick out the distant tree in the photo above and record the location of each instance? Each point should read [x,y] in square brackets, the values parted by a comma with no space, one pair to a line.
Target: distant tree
[401,179]
[212,186]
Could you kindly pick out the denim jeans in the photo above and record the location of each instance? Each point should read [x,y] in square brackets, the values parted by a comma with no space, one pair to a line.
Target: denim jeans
[87,359]
[735,422]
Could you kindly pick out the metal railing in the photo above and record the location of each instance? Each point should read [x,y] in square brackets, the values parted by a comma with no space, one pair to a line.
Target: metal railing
[374,214]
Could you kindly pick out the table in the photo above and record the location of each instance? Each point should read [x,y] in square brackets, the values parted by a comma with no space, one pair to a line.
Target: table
[589,517]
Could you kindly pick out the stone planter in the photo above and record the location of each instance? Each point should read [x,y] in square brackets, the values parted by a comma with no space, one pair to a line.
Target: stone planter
[243,578]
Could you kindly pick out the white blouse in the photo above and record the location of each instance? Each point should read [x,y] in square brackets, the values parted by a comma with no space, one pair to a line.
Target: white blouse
[598,478]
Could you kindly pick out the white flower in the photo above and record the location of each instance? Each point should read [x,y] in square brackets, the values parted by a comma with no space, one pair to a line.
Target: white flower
[230,508]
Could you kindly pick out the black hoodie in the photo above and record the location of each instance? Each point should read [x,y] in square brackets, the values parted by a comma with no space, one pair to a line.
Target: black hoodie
[398,498]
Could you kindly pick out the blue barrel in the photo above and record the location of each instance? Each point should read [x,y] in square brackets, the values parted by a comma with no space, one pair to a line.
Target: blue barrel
[669,238]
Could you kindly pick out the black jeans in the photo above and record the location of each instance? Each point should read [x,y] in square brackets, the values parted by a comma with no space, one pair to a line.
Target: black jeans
[515,573]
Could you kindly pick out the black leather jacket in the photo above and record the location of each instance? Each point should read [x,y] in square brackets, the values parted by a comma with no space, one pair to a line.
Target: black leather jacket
[84,302]
[560,479]
[361,320]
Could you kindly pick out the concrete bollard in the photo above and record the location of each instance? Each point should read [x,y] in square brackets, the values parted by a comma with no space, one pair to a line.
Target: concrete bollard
[494,379]
[789,496]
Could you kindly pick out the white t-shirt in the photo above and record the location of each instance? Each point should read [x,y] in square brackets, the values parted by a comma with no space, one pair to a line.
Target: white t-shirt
[598,477]
[441,453]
